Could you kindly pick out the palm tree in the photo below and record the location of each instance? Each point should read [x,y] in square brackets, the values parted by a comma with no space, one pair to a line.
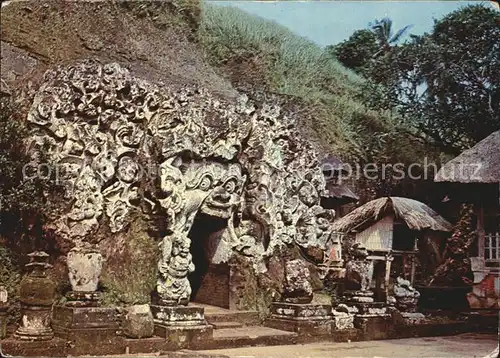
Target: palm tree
[383,31]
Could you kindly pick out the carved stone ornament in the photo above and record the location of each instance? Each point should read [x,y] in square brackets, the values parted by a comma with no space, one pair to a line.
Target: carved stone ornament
[108,133]
[84,266]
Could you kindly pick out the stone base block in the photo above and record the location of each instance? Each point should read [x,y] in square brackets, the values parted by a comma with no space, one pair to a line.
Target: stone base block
[305,319]
[301,312]
[318,329]
[182,326]
[367,308]
[178,315]
[180,337]
[91,324]
[374,326]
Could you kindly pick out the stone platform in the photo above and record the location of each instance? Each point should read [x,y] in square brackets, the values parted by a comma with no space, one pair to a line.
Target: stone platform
[82,327]
[182,325]
[239,334]
[304,319]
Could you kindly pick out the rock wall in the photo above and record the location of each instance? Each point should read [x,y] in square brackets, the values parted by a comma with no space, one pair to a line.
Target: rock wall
[124,147]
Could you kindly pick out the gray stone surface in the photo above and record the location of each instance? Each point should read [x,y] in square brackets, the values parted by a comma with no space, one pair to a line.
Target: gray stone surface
[298,287]
[138,321]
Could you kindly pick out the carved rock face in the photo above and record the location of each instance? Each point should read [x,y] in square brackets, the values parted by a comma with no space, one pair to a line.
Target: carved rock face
[107,131]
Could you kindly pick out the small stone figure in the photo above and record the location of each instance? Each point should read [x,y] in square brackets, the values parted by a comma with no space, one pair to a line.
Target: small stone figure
[173,285]
[36,296]
[406,296]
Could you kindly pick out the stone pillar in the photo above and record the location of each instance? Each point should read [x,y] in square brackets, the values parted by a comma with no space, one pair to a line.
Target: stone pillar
[36,296]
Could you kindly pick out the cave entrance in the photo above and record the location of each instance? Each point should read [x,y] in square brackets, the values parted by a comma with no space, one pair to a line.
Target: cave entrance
[210,280]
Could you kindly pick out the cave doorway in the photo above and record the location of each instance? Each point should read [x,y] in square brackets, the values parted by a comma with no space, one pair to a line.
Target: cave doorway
[210,280]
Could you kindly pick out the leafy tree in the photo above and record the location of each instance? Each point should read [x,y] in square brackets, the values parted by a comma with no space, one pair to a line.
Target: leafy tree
[445,84]
[357,51]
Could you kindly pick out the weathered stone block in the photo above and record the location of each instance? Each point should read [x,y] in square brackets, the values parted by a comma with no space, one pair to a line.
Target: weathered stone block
[85,323]
[138,322]
[296,311]
[178,315]
[184,336]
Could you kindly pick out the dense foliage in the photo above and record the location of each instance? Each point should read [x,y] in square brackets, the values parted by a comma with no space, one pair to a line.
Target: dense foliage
[356,52]
[445,84]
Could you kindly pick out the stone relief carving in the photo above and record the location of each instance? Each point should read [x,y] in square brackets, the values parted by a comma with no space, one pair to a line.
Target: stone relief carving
[240,162]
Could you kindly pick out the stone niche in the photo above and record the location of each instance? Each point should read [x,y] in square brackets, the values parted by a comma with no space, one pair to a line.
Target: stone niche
[124,147]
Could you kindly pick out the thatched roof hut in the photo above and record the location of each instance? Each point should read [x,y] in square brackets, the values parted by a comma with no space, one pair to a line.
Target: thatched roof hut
[479,164]
[415,214]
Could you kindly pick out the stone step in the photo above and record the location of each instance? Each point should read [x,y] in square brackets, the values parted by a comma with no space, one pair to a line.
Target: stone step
[246,318]
[224,325]
[248,336]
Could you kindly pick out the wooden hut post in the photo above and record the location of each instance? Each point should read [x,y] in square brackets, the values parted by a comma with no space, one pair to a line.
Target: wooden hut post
[481,234]
[388,261]
[413,264]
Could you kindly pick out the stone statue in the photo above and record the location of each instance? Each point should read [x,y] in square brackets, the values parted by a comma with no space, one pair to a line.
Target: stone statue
[359,275]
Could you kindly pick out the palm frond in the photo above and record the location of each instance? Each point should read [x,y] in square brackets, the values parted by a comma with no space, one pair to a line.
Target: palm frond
[400,33]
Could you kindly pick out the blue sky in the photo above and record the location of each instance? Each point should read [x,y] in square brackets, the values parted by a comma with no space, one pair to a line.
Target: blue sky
[330,22]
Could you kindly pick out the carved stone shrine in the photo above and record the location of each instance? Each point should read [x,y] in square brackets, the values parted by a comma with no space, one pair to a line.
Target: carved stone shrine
[37,296]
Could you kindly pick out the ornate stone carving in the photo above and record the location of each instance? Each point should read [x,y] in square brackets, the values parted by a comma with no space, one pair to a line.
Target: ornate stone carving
[84,266]
[37,292]
[359,275]
[109,132]
[406,296]
[298,287]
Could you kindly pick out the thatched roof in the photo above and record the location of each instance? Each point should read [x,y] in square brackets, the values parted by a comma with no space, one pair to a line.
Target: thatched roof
[480,164]
[415,214]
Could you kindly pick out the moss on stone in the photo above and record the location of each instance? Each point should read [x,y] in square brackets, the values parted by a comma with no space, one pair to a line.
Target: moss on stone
[131,277]
[10,277]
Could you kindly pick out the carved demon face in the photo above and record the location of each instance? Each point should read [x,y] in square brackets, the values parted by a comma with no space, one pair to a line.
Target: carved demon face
[226,192]
[214,189]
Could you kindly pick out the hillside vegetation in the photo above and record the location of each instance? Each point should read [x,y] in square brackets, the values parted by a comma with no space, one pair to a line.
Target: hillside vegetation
[260,53]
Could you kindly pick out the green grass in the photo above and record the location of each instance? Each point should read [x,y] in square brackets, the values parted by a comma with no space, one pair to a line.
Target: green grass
[330,94]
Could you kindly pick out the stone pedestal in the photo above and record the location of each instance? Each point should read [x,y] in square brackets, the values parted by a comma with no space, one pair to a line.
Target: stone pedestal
[305,319]
[343,317]
[181,325]
[89,324]
[373,320]
[3,320]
